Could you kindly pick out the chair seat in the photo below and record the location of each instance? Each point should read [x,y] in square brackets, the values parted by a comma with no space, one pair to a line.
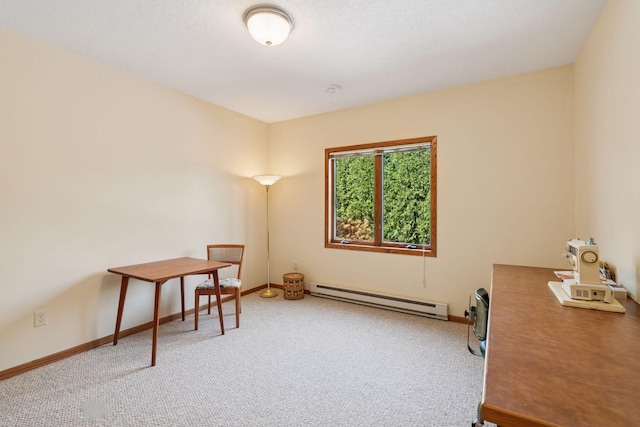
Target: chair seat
[224,283]
[231,254]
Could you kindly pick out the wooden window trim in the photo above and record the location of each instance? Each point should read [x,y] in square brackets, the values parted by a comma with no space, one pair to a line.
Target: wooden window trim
[378,245]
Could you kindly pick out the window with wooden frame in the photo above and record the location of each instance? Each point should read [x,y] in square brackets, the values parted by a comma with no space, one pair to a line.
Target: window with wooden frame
[381,197]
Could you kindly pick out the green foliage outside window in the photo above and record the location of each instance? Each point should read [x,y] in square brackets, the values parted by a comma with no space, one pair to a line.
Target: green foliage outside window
[354,198]
[406,197]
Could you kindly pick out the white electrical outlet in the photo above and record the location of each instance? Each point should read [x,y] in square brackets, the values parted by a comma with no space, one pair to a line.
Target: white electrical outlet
[295,265]
[39,318]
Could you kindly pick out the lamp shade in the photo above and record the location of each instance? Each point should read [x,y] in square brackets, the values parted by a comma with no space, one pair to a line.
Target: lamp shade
[267,179]
[268,25]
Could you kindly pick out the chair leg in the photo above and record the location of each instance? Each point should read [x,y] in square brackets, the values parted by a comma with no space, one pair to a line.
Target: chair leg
[218,301]
[237,298]
[196,310]
[209,305]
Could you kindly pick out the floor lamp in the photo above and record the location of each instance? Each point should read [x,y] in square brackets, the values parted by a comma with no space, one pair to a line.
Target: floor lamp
[268,181]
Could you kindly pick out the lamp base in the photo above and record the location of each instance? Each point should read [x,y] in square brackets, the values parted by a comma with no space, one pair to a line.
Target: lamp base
[268,293]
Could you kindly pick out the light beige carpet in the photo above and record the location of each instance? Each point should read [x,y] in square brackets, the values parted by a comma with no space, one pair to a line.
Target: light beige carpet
[310,362]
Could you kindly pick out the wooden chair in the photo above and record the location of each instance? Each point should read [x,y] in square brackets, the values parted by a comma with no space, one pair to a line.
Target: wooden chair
[230,283]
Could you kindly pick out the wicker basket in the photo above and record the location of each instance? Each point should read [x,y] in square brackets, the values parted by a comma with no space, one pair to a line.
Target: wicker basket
[293,285]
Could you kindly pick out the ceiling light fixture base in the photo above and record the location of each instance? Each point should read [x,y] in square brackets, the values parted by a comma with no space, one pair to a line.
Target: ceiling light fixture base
[332,89]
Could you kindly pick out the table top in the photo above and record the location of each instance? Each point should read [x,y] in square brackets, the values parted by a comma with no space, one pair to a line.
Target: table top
[160,271]
[549,365]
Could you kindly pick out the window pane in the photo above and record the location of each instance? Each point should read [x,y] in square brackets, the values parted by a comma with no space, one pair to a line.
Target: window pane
[354,198]
[381,197]
[407,197]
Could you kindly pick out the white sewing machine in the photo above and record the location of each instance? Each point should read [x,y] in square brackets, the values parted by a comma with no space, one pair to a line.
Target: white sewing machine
[586,285]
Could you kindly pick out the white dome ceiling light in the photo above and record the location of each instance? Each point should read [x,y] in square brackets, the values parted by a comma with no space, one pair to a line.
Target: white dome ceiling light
[268,25]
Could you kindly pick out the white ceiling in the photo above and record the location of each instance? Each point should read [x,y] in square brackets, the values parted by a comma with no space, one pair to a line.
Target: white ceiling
[374,49]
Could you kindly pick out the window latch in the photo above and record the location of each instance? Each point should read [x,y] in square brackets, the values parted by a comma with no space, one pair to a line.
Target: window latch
[344,242]
[411,247]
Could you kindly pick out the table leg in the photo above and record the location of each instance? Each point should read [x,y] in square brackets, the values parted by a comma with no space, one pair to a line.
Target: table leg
[218,299]
[156,322]
[182,295]
[123,294]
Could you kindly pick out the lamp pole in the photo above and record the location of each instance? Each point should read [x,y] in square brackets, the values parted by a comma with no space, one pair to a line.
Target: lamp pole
[268,181]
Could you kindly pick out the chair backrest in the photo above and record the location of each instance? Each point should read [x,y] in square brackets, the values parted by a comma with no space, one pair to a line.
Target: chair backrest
[478,316]
[482,314]
[227,253]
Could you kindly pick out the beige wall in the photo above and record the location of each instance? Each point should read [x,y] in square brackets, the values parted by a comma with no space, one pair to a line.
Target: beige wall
[505,185]
[98,169]
[607,126]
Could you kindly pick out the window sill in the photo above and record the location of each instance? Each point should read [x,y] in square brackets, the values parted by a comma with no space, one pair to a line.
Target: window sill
[382,249]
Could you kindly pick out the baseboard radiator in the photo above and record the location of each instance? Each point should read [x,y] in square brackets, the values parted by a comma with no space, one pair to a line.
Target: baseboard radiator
[420,308]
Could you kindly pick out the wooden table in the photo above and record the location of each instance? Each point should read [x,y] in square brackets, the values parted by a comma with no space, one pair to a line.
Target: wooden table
[550,365]
[159,272]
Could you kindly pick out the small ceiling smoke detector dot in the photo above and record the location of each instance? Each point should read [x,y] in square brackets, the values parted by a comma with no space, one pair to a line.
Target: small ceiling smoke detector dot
[332,89]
